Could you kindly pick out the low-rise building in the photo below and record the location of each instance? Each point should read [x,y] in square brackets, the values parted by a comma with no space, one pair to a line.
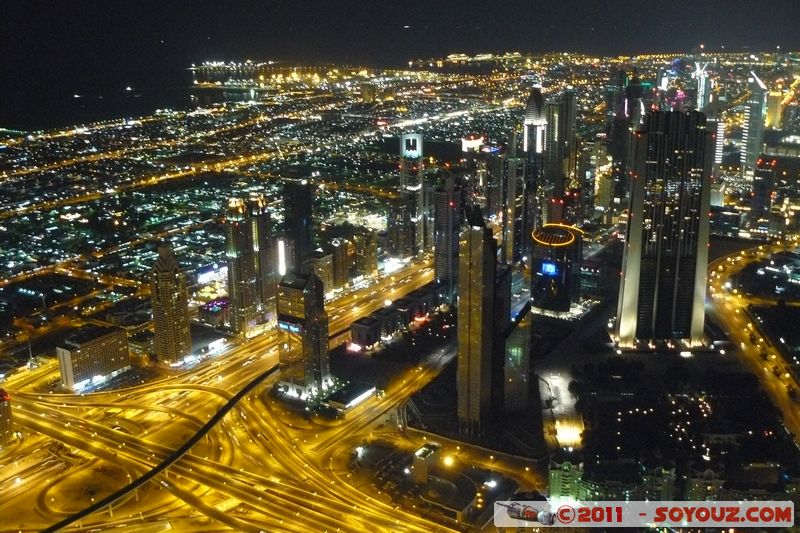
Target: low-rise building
[91,355]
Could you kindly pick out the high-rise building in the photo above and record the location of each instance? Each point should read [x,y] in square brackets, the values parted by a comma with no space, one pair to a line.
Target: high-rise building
[92,355]
[321,264]
[242,284]
[755,112]
[534,138]
[261,229]
[172,340]
[774,114]
[476,284]
[703,86]
[491,163]
[556,267]
[517,367]
[762,190]
[303,355]
[400,229]
[6,420]
[298,199]
[513,190]
[560,165]
[662,292]
[446,227]
[412,187]
[366,253]
[717,125]
[342,261]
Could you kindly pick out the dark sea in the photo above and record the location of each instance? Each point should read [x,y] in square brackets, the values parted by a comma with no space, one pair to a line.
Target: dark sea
[60,109]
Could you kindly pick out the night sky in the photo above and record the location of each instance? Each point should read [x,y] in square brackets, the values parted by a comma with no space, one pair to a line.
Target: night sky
[56,47]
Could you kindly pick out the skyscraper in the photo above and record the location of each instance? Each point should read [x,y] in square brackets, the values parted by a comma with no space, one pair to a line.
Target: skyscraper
[412,189]
[513,189]
[703,86]
[303,355]
[366,256]
[761,200]
[446,227]
[321,264]
[534,137]
[755,112]
[170,300]
[774,114]
[342,262]
[298,199]
[476,283]
[560,143]
[261,229]
[662,292]
[242,285]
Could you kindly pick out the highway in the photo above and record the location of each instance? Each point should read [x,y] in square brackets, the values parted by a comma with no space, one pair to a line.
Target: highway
[206,441]
[93,423]
[728,306]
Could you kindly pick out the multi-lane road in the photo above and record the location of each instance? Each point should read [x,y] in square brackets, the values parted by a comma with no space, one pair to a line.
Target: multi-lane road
[729,306]
[295,490]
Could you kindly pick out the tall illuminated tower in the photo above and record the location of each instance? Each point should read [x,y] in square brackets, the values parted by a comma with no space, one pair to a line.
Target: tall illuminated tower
[533,144]
[476,297]
[512,194]
[703,86]
[242,286]
[663,287]
[170,299]
[298,198]
[303,355]
[446,227]
[260,227]
[560,143]
[761,195]
[755,112]
[412,189]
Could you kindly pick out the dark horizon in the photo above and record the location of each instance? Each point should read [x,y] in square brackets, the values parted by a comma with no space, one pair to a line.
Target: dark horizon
[53,50]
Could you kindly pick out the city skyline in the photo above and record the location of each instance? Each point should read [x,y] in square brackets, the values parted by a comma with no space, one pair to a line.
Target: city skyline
[465,284]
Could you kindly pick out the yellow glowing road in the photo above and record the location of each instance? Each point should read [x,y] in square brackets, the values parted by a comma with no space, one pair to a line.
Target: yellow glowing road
[729,306]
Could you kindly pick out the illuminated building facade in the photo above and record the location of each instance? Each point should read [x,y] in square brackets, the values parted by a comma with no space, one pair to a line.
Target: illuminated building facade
[304,327]
[92,355]
[755,113]
[663,287]
[261,230]
[476,298]
[240,253]
[774,113]
[412,190]
[446,227]
[534,138]
[170,300]
[298,199]
[321,264]
[703,88]
[366,253]
[555,269]
[561,143]
[762,190]
[6,420]
[342,259]
[513,189]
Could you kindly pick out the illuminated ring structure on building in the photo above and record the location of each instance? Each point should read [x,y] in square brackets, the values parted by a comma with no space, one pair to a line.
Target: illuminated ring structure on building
[563,236]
